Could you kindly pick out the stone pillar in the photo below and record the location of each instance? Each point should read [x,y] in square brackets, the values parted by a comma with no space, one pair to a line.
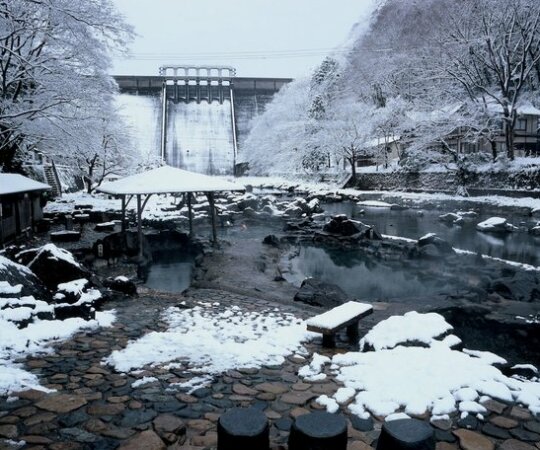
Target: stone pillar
[243,429]
[406,434]
[319,430]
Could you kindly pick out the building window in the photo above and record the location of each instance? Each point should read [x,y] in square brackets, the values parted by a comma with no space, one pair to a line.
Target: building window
[521,125]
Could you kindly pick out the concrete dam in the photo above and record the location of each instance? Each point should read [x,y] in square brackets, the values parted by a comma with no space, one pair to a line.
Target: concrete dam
[194,118]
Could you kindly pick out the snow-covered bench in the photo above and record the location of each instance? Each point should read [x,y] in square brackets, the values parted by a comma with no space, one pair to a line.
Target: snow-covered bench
[346,315]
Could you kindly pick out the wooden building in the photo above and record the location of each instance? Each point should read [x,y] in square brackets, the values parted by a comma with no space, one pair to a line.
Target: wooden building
[21,205]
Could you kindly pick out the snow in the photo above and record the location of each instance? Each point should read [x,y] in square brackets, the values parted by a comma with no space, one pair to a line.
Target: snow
[57,254]
[73,287]
[411,327]
[6,288]
[330,404]
[143,381]
[211,341]
[493,224]
[419,380]
[37,338]
[12,183]
[525,367]
[165,180]
[374,204]
[314,368]
[338,315]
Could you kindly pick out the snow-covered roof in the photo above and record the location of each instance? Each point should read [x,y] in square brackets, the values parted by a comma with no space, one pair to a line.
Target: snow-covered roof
[381,141]
[13,183]
[165,180]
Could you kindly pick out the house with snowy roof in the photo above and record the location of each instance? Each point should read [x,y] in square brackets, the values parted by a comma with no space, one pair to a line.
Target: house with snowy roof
[21,205]
[526,134]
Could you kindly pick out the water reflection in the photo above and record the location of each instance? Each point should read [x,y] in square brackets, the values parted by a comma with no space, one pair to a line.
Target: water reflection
[170,271]
[518,246]
[358,274]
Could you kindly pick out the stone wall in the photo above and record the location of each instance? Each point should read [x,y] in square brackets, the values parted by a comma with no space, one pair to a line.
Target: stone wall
[446,181]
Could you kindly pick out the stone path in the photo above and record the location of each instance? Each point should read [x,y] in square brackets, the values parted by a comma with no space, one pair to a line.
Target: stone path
[97,408]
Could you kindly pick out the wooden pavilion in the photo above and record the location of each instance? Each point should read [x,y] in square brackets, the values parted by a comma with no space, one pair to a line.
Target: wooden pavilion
[167,180]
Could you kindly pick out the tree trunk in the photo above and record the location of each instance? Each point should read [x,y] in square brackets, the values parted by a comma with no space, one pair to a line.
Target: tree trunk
[509,137]
[494,150]
[352,162]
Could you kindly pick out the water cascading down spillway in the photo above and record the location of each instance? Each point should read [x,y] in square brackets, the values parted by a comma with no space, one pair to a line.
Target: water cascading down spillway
[198,130]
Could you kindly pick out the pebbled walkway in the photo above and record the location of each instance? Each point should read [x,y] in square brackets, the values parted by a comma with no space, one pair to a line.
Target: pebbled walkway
[96,408]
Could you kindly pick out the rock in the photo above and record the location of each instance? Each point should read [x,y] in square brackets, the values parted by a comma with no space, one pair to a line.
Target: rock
[449,217]
[121,284]
[494,406]
[78,435]
[517,412]
[272,388]
[495,225]
[61,403]
[319,293]
[105,226]
[147,440]
[9,431]
[271,240]
[53,265]
[342,226]
[441,245]
[168,423]
[469,440]
[524,435]
[496,432]
[297,398]
[513,444]
[504,422]
[106,409]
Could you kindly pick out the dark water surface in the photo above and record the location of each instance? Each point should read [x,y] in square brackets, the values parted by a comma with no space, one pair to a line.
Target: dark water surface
[170,271]
[517,246]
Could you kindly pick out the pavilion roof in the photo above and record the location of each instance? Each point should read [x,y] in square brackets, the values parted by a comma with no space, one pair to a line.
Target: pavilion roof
[167,180]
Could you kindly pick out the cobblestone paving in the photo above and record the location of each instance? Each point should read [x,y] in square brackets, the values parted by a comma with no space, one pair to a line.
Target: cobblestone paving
[96,408]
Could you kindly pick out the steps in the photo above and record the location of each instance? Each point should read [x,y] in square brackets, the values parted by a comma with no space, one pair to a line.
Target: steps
[51,177]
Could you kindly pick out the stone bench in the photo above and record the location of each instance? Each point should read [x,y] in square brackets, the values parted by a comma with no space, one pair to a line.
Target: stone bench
[318,431]
[347,315]
[243,429]
[406,434]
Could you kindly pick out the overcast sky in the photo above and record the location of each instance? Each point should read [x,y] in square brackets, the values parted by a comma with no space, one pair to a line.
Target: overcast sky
[264,38]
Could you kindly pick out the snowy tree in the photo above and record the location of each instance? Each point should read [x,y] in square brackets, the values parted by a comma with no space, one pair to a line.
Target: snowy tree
[348,131]
[54,60]
[493,53]
[277,142]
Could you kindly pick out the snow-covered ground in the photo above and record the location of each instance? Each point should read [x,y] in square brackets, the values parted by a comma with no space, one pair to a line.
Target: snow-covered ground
[37,337]
[413,369]
[213,341]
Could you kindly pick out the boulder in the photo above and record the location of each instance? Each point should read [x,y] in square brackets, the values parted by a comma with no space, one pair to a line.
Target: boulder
[343,226]
[495,225]
[432,239]
[319,293]
[53,265]
[121,284]
[271,240]
[449,217]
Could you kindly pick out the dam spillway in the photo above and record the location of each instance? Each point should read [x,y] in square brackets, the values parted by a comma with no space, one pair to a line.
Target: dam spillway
[193,123]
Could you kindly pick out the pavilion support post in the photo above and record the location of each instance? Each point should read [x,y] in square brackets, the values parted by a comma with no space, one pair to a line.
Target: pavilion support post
[139,227]
[190,214]
[123,213]
[210,196]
